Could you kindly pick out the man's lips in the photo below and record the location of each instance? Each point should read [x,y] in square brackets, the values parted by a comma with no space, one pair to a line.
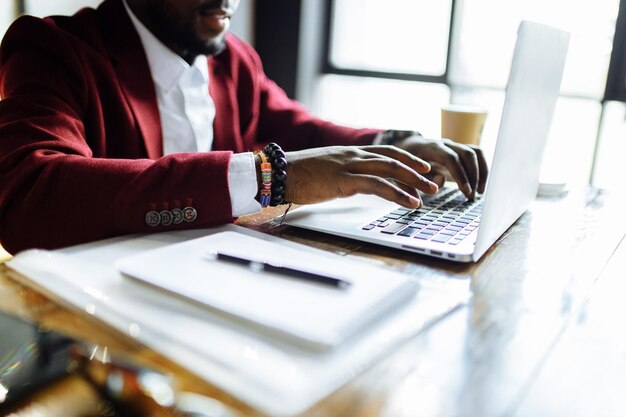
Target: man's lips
[220,13]
[216,20]
[223,8]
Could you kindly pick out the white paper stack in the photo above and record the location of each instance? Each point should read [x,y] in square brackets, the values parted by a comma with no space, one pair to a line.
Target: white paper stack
[273,374]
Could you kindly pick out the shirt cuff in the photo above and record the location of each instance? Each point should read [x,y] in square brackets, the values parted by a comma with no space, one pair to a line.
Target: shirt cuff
[242,184]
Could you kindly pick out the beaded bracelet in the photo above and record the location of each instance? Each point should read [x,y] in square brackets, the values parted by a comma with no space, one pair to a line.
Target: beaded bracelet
[266,179]
[278,160]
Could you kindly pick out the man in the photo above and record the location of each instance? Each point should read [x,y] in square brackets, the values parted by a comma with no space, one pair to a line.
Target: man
[139,117]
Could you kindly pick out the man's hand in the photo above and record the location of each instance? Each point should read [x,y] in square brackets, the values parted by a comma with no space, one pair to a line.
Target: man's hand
[320,174]
[465,164]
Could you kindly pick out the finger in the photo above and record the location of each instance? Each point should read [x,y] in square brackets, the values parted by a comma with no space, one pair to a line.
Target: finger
[437,175]
[451,160]
[393,169]
[469,160]
[407,189]
[370,184]
[439,179]
[412,161]
[483,169]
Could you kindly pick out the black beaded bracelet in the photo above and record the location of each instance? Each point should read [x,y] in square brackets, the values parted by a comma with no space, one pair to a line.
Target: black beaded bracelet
[278,160]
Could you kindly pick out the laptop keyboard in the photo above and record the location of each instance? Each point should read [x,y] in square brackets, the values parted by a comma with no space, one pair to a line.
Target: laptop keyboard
[447,217]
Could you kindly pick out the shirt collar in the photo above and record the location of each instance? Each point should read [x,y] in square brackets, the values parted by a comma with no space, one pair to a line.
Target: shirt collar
[166,67]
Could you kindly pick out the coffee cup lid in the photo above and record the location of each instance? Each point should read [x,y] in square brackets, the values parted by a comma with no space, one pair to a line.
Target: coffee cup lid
[464,108]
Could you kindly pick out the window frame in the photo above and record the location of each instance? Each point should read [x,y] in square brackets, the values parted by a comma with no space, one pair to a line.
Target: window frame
[615,89]
[616,78]
[615,86]
[329,68]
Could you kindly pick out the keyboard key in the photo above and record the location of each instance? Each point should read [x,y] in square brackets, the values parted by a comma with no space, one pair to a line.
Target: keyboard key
[392,229]
[369,227]
[404,221]
[448,232]
[422,236]
[408,232]
[393,216]
[441,238]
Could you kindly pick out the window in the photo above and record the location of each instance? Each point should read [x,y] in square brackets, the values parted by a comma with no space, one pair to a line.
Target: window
[357,43]
[10,9]
[609,172]
[7,13]
[395,63]
[43,8]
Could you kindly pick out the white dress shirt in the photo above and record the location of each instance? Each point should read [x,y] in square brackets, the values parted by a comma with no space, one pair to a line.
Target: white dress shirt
[187,112]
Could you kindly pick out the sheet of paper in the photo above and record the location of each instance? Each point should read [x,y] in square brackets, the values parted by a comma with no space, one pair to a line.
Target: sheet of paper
[313,315]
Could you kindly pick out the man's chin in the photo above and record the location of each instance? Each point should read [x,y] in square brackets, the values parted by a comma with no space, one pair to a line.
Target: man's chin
[217,48]
[213,47]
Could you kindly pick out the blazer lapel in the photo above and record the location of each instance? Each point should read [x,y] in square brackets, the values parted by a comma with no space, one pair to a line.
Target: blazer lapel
[226,133]
[133,71]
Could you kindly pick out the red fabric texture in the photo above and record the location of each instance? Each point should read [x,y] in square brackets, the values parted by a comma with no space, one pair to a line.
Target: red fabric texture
[80,135]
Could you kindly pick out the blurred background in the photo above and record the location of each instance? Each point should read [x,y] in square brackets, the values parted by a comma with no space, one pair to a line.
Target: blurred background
[393,64]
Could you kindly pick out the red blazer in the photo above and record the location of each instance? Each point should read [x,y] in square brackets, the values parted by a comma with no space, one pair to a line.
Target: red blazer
[81,153]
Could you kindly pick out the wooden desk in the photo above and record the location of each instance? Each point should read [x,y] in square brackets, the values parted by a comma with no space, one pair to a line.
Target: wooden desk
[540,337]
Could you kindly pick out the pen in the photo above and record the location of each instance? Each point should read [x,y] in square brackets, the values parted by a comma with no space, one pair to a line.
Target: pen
[283,270]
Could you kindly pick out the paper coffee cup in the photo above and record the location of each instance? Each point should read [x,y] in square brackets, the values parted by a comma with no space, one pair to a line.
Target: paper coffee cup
[463,124]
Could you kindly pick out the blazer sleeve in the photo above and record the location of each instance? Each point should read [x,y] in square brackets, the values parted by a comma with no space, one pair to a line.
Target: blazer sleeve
[285,121]
[54,191]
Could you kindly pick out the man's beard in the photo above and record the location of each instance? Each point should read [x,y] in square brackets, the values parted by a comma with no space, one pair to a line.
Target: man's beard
[191,45]
[182,35]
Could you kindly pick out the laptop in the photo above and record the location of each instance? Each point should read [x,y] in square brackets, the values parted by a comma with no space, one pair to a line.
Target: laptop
[449,226]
